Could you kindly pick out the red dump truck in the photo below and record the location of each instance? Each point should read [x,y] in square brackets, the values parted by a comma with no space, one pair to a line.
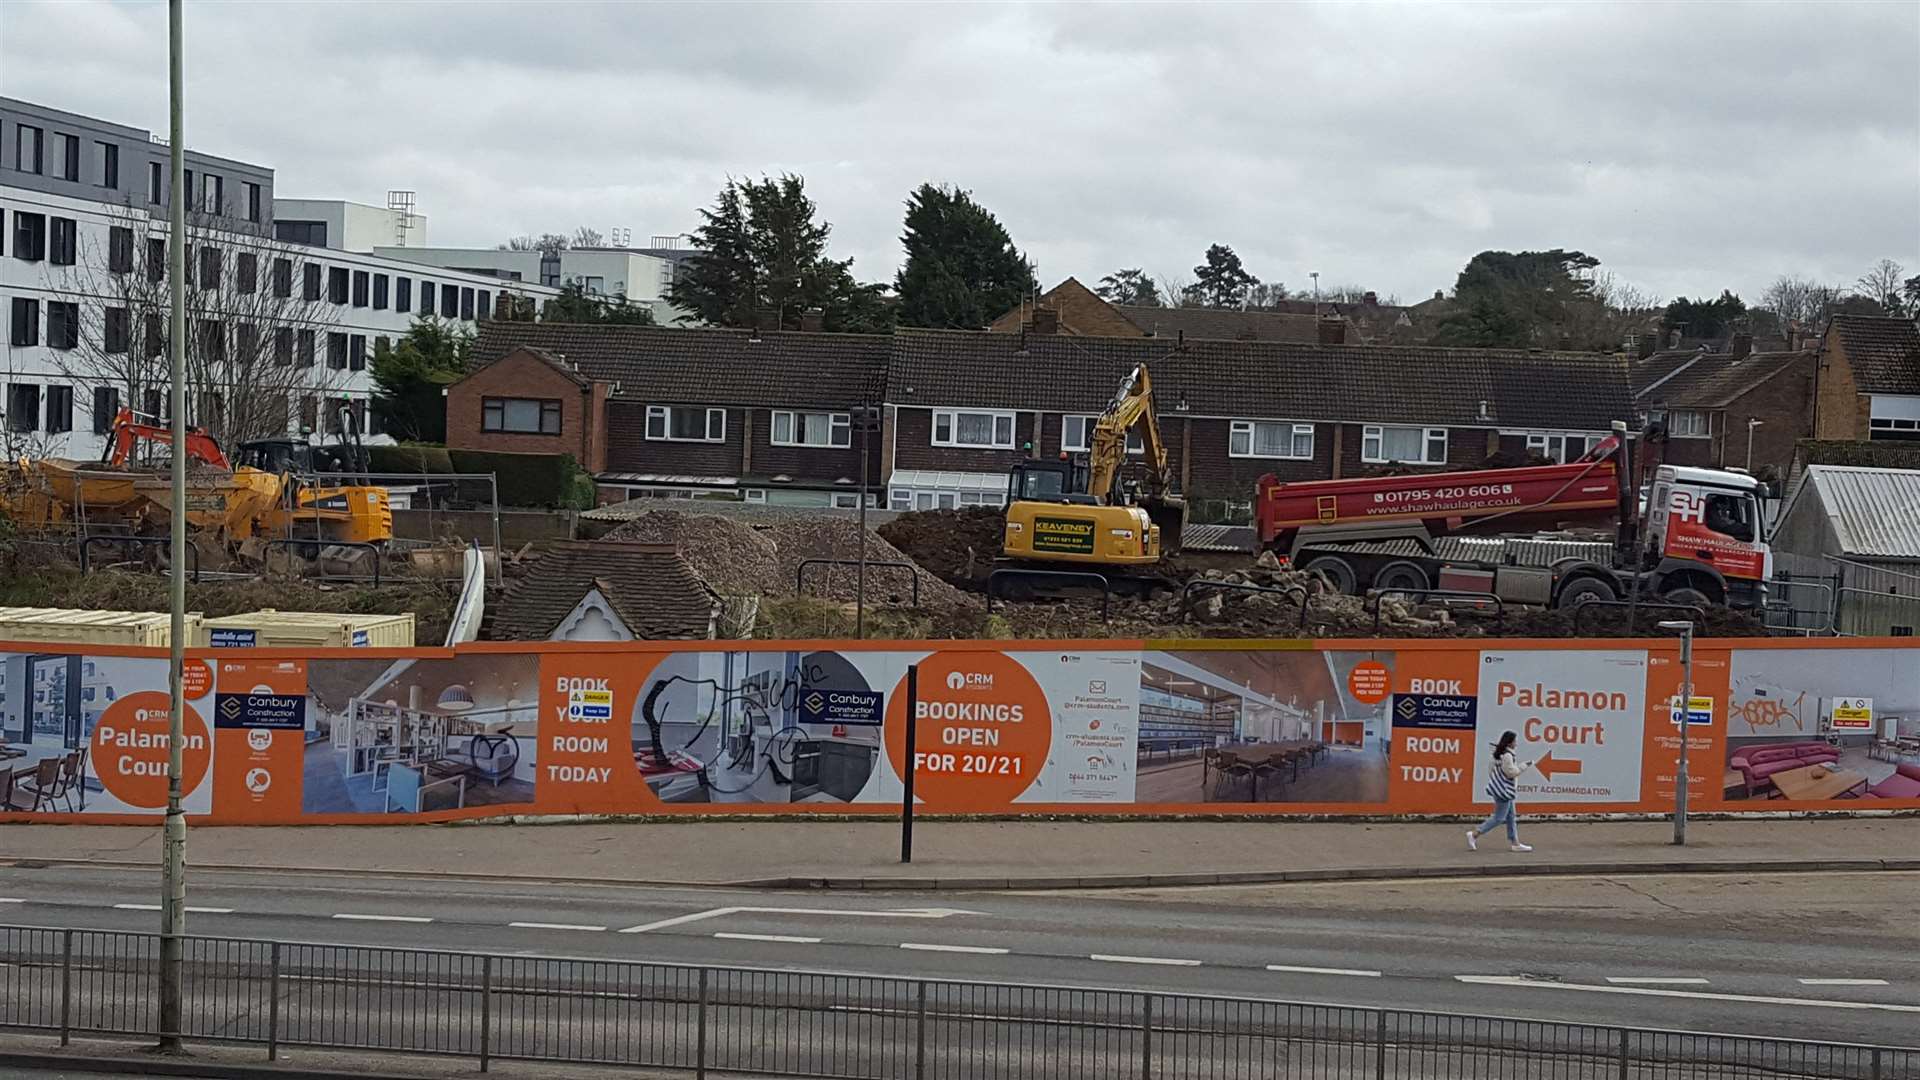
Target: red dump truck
[1518,533]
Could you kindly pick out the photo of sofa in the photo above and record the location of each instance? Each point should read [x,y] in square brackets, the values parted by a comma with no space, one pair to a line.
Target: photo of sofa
[1758,763]
[1903,784]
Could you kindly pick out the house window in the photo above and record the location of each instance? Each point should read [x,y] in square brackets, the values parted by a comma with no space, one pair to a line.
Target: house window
[449,301]
[246,343]
[109,165]
[63,324]
[156,191]
[305,352]
[337,351]
[1076,433]
[283,346]
[310,281]
[981,430]
[156,337]
[357,352]
[681,423]
[68,147]
[402,294]
[1894,416]
[1560,447]
[523,416]
[1382,445]
[337,284]
[23,407]
[209,267]
[380,292]
[29,146]
[25,326]
[361,287]
[213,341]
[65,247]
[213,194]
[1270,439]
[1687,424]
[253,203]
[812,429]
[466,304]
[186,188]
[246,271]
[486,305]
[118,330]
[29,236]
[309,233]
[156,258]
[119,249]
[59,409]
[106,403]
[283,278]
[309,413]
[426,299]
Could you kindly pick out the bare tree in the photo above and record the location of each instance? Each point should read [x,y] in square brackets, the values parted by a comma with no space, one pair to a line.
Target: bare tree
[256,343]
[586,237]
[1883,286]
[1799,301]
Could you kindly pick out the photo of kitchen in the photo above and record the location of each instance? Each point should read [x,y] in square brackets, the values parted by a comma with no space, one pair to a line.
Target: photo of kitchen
[49,706]
[1231,726]
[410,736]
[1809,725]
[757,727]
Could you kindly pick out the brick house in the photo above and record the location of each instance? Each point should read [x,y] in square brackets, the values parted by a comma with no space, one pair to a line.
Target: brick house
[530,401]
[964,406]
[1867,384]
[764,416]
[1726,410]
[1073,309]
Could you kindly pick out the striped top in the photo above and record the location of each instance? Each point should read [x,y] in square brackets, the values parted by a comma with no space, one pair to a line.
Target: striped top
[1500,781]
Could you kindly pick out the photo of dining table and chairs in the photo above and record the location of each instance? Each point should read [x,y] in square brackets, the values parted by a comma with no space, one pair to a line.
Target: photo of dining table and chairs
[50,704]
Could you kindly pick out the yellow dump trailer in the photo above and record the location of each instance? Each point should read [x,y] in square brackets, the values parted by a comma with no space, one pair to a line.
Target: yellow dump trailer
[270,629]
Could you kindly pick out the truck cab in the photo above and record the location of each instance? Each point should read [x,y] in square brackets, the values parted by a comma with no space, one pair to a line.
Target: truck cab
[1704,536]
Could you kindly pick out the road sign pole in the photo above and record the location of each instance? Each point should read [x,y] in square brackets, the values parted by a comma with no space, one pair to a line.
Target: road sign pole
[1686,736]
[912,740]
[173,838]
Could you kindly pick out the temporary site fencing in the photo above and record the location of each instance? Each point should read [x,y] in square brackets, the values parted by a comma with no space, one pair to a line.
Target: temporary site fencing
[724,1020]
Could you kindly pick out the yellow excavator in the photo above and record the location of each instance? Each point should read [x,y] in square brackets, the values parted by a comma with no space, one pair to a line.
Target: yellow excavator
[1079,515]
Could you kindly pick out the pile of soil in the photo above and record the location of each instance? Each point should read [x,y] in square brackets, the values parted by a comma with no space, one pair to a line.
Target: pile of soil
[734,559]
[957,545]
[801,538]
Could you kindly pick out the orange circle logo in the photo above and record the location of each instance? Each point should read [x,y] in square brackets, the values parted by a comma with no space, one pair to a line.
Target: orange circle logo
[196,679]
[130,749]
[1367,682]
[984,730]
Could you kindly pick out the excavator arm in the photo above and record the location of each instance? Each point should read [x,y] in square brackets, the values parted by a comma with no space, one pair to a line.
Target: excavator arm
[1132,407]
[127,431]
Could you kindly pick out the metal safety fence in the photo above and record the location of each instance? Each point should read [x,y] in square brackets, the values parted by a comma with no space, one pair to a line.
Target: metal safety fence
[724,1020]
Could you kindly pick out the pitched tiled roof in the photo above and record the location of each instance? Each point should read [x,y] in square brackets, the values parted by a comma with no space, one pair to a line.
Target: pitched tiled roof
[1650,373]
[1715,380]
[653,590]
[1226,324]
[706,366]
[1277,380]
[1884,353]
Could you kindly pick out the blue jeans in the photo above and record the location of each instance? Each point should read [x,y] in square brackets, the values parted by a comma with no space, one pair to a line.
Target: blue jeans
[1502,811]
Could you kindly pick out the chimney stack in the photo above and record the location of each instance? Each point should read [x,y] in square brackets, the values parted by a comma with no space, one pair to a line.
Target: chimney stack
[1370,298]
[1741,346]
[1333,331]
[813,320]
[766,319]
[1046,320]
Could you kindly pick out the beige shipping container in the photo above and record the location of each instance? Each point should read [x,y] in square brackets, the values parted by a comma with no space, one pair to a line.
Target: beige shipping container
[270,629]
[80,626]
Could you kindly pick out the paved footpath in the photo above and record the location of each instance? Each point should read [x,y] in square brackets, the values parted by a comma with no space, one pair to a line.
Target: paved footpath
[985,855]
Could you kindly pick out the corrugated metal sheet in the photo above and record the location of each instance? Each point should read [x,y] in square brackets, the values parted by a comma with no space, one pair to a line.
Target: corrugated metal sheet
[268,628]
[1875,512]
[83,626]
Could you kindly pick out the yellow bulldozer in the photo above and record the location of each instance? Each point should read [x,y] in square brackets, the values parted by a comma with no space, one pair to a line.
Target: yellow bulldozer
[1070,514]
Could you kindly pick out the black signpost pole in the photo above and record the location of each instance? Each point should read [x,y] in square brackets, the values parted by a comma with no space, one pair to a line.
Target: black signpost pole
[906,798]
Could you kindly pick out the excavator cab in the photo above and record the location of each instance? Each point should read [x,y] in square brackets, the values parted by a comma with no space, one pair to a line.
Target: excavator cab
[1061,481]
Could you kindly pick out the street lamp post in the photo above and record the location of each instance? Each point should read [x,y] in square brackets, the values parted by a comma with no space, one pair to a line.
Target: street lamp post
[173,845]
[1685,629]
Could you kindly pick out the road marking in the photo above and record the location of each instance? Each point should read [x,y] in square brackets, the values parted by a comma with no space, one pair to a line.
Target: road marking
[1654,981]
[1323,971]
[190,910]
[715,913]
[11,900]
[1843,982]
[983,950]
[556,926]
[787,938]
[1164,961]
[1647,991]
[383,918]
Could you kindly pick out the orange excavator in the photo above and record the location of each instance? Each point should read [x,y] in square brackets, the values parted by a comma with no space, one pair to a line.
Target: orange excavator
[128,430]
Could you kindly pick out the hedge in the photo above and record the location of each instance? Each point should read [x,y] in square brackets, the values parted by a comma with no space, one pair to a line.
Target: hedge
[432,460]
[528,480]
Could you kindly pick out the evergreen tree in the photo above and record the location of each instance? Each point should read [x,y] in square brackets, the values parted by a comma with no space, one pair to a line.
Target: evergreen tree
[575,305]
[410,375]
[1132,287]
[962,270]
[1220,282]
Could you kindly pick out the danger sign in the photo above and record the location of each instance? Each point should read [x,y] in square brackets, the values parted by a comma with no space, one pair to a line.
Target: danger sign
[1853,714]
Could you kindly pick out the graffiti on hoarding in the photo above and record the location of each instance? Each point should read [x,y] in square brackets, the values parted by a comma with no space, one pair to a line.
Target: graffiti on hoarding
[1770,713]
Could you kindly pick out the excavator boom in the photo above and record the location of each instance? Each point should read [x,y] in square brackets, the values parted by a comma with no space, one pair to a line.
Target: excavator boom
[128,430]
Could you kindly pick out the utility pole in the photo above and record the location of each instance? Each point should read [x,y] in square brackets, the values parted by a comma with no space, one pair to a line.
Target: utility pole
[1685,628]
[173,871]
[863,417]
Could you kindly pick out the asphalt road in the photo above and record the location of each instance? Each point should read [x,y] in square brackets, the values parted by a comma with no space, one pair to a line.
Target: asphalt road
[1813,956]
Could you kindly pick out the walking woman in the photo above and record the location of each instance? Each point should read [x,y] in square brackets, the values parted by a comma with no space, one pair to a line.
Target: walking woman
[1500,790]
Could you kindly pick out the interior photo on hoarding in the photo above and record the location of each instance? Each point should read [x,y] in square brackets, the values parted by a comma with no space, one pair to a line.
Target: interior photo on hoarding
[50,704]
[1817,724]
[408,736]
[1239,727]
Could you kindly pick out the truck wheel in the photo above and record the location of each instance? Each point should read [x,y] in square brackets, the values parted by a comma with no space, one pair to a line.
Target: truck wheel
[1401,575]
[1584,591]
[1687,596]
[1338,572]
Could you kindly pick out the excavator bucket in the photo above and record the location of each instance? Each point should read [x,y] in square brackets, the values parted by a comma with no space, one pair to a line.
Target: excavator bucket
[1170,514]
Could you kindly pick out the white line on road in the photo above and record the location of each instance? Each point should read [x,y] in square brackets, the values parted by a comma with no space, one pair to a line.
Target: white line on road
[1323,971]
[11,900]
[383,918]
[787,938]
[1647,991]
[1843,982]
[556,926]
[1164,961]
[983,950]
[1633,980]
[715,913]
[190,910]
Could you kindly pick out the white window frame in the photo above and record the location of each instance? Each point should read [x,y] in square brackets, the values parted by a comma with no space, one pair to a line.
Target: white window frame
[1373,445]
[1082,423]
[663,414]
[1553,444]
[1240,441]
[1705,424]
[754,495]
[951,419]
[839,429]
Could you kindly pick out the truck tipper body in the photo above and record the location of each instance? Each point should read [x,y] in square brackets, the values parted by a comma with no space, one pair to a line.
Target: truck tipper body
[1549,535]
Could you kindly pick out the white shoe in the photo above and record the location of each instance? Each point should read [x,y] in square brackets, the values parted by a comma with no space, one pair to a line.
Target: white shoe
[1473,841]
[1519,847]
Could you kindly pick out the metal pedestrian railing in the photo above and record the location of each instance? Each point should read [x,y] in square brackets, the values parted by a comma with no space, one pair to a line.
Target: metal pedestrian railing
[723,1020]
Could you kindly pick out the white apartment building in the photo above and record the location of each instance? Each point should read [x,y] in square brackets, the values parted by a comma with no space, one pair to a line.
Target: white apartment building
[642,275]
[83,255]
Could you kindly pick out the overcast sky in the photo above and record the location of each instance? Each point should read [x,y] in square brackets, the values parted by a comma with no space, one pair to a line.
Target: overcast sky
[1690,146]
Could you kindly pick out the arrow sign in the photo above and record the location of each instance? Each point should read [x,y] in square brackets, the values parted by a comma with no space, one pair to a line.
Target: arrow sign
[1548,766]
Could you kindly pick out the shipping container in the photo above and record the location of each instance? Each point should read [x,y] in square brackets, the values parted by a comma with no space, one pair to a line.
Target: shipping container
[270,629]
[80,626]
